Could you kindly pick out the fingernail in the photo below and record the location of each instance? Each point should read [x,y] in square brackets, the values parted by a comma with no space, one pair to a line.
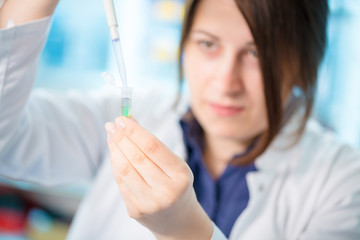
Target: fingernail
[110,128]
[133,119]
[120,123]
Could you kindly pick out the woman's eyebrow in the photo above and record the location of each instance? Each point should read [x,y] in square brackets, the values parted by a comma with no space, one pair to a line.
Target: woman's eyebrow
[250,44]
[199,31]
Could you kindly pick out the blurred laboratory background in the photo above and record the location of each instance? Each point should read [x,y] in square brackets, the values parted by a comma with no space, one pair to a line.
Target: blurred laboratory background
[79,49]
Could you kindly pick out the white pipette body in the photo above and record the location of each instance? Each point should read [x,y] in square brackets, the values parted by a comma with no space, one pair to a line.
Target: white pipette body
[115,37]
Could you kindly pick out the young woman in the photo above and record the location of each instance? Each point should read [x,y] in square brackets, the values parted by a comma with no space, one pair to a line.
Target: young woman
[243,161]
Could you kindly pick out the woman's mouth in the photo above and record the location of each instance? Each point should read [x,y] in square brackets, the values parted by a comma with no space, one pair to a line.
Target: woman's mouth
[224,110]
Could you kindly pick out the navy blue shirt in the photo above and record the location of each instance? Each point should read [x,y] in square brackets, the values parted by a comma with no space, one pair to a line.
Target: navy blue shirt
[223,199]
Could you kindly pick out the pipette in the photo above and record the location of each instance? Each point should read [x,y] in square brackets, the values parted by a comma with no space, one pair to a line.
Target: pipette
[115,37]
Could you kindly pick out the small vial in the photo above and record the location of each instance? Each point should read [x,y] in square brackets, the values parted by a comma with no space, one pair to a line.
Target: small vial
[126,97]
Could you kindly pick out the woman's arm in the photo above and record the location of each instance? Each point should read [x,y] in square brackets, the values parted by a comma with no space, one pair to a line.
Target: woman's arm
[22,11]
[46,138]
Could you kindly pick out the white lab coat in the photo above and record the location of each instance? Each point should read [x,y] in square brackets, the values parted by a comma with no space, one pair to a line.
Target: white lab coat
[308,191]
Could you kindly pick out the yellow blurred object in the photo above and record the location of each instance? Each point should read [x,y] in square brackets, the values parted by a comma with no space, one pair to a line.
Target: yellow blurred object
[41,225]
[162,55]
[58,231]
[171,11]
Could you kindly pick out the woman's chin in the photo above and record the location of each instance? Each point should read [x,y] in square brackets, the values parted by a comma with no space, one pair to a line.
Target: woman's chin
[228,133]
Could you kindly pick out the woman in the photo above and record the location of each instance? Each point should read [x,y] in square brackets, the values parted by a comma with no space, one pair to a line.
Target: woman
[256,167]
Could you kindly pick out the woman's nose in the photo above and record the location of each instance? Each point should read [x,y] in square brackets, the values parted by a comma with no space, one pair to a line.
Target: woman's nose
[227,76]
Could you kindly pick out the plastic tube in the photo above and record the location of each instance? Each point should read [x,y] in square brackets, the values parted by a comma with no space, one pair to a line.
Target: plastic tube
[126,94]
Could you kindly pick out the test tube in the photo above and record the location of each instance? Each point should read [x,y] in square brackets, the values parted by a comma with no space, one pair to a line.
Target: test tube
[126,96]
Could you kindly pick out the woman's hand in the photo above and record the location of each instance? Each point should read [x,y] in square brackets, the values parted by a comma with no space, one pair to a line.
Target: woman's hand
[22,11]
[156,185]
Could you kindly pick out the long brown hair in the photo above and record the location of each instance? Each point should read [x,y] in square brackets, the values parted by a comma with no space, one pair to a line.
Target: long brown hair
[291,40]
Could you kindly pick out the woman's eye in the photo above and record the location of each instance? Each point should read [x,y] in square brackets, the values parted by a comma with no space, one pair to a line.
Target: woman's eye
[253,53]
[250,57]
[208,45]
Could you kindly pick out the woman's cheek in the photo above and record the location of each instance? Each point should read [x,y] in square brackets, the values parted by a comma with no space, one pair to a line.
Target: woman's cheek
[194,72]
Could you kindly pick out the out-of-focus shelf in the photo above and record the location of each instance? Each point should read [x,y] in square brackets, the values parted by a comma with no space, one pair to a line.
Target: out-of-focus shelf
[75,191]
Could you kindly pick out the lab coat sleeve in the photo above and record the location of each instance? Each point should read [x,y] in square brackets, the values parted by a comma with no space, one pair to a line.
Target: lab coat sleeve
[45,138]
[338,206]
[217,234]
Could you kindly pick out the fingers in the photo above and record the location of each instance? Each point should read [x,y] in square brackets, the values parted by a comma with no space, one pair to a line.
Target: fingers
[146,168]
[124,171]
[131,201]
[149,145]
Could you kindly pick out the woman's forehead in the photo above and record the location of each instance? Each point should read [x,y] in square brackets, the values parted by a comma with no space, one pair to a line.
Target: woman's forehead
[223,19]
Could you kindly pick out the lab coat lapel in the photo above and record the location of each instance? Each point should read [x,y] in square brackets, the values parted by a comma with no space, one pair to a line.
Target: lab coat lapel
[262,217]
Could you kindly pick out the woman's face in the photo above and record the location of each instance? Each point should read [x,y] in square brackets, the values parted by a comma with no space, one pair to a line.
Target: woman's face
[223,73]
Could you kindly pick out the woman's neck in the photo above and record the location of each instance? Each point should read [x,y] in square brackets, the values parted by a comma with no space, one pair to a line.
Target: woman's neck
[218,152]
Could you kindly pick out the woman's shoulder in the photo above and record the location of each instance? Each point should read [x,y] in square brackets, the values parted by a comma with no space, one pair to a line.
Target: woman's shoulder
[321,140]
[330,165]
[318,153]
[317,144]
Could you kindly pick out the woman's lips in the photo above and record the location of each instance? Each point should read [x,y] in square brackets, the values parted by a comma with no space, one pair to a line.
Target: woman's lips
[225,111]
